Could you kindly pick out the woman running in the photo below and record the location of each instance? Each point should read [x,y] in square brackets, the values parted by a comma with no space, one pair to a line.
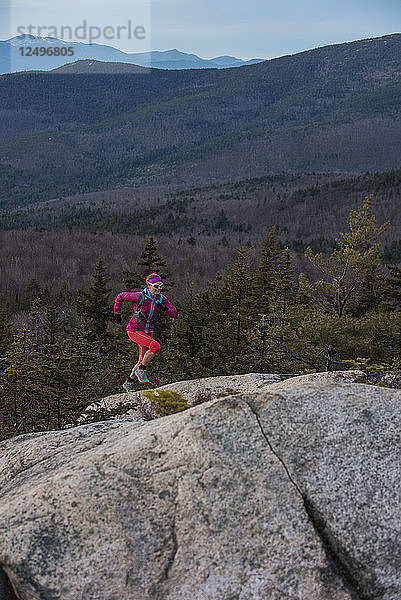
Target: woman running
[147,305]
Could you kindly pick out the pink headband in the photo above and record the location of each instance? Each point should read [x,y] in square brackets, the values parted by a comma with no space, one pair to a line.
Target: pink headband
[155,279]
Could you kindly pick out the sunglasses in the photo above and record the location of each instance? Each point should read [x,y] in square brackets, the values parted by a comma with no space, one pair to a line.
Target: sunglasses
[157,285]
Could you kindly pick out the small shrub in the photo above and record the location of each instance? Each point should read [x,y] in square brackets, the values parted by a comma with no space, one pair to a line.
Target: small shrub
[168,401]
[371,373]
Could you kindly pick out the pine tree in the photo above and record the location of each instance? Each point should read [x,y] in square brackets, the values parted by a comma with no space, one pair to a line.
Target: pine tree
[353,270]
[345,302]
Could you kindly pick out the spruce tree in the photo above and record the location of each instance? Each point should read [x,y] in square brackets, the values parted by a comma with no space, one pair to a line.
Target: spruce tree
[275,328]
[94,304]
[282,296]
[75,376]
[6,330]
[264,273]
[391,289]
[25,405]
[149,261]
[33,292]
[231,316]
[54,324]
[181,359]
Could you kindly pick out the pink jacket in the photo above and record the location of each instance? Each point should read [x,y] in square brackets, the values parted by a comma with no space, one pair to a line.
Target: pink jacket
[150,309]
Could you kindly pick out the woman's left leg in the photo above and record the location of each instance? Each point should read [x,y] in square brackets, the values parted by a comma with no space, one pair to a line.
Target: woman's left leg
[148,356]
[145,342]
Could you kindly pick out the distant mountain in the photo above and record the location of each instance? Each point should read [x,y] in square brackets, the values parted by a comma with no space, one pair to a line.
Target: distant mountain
[85,67]
[11,59]
[335,108]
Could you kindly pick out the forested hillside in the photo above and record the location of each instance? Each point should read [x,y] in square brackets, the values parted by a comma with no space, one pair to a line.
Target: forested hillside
[63,352]
[334,108]
[197,228]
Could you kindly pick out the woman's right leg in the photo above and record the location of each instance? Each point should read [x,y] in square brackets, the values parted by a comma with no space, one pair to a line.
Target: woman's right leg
[142,351]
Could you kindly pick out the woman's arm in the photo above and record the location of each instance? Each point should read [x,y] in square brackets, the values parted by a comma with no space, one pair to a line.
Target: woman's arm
[125,297]
[168,308]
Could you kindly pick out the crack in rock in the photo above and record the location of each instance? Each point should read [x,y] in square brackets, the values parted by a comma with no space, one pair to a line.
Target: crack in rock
[174,551]
[158,590]
[319,526]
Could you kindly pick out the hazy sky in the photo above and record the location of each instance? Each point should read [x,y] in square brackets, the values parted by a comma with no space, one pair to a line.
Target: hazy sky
[253,28]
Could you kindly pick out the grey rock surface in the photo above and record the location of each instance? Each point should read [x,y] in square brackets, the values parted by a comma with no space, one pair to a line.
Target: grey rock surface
[209,388]
[193,390]
[321,378]
[391,380]
[288,493]
[342,449]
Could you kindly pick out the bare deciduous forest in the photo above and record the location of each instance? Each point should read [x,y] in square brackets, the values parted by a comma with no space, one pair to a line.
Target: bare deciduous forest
[197,229]
[329,109]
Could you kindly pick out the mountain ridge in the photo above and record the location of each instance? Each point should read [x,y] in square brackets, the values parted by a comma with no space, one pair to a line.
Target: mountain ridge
[12,61]
[331,109]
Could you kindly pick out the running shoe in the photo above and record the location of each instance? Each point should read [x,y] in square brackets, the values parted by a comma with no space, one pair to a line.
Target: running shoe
[141,375]
[129,386]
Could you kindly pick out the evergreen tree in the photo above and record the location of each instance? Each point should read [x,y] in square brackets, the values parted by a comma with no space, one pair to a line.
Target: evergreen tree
[47,323]
[391,289]
[94,304]
[228,318]
[75,376]
[327,342]
[181,359]
[25,406]
[149,261]
[347,300]
[33,292]
[275,330]
[353,270]
[237,288]
[6,330]
[264,274]
[54,324]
